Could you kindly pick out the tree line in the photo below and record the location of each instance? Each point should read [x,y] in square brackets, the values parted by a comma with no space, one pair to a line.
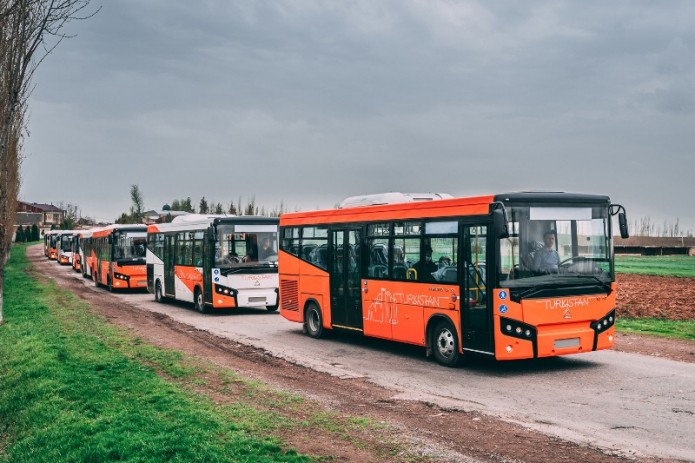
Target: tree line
[645,226]
[239,207]
[27,234]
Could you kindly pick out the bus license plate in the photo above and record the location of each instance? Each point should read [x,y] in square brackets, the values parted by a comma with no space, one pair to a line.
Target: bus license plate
[564,343]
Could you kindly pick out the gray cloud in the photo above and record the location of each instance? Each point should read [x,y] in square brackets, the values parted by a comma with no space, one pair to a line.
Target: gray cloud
[309,102]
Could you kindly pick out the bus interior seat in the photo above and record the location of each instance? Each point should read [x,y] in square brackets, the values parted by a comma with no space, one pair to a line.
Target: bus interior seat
[377,271]
[450,274]
[399,272]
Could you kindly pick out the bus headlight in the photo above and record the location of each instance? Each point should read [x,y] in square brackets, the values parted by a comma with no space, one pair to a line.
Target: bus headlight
[517,329]
[604,323]
[225,291]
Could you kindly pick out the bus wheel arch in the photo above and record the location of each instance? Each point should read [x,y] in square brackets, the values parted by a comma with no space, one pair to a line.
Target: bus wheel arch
[199,301]
[443,341]
[313,319]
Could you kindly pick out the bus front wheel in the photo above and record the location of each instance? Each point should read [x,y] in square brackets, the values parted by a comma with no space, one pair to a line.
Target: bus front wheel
[313,321]
[444,344]
[199,302]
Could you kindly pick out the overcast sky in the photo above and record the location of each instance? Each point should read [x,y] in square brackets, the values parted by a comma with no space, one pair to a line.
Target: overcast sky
[308,102]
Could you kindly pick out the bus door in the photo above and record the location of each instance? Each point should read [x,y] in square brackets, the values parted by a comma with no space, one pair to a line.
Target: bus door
[476,304]
[169,255]
[344,268]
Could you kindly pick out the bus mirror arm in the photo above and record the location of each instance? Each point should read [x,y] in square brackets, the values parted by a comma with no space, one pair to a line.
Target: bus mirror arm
[500,221]
[622,220]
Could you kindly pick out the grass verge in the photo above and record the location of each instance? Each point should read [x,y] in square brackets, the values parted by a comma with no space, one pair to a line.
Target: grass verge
[678,329]
[74,388]
[667,266]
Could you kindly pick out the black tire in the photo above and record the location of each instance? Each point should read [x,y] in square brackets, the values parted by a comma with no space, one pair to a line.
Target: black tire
[313,321]
[445,345]
[158,296]
[271,308]
[109,284]
[199,302]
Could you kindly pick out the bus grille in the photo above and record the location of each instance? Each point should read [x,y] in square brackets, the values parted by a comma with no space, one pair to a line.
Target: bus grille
[288,295]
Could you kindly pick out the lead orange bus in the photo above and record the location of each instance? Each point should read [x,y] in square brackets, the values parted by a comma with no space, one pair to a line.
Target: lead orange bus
[118,260]
[513,276]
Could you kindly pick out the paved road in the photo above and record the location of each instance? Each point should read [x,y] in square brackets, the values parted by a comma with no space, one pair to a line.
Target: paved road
[635,405]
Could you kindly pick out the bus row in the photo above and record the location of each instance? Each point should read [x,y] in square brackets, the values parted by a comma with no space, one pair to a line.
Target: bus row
[513,276]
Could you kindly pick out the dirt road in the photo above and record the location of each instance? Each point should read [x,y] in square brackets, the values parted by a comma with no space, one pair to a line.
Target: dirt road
[612,404]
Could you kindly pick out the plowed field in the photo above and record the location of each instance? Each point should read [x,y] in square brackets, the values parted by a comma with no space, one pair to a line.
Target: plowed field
[652,296]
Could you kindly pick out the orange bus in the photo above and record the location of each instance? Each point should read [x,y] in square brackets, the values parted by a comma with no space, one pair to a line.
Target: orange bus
[215,262]
[50,244]
[513,276]
[119,261]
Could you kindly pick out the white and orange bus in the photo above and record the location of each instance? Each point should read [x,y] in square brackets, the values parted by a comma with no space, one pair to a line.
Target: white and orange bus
[215,262]
[87,253]
[119,256]
[458,275]
[50,248]
[77,251]
[64,246]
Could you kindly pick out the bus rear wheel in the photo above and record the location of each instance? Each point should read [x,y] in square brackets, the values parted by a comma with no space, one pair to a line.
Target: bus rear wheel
[444,344]
[199,302]
[158,297]
[313,321]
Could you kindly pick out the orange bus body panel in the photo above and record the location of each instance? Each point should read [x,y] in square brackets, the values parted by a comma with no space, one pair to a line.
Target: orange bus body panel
[189,276]
[399,211]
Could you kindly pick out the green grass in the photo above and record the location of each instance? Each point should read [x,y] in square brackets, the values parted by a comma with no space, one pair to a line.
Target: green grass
[676,266]
[73,388]
[658,327]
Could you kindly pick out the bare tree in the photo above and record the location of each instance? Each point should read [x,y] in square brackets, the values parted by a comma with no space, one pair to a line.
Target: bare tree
[29,31]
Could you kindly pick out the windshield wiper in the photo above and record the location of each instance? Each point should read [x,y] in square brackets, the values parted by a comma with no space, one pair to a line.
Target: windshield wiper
[534,290]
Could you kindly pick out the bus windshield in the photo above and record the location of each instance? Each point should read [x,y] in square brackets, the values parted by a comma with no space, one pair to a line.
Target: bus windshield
[131,245]
[66,243]
[556,245]
[246,246]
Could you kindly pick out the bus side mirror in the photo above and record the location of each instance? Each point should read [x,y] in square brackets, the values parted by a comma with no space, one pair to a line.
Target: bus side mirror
[500,224]
[622,221]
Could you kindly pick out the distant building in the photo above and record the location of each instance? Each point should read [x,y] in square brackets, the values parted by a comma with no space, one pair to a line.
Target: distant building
[51,215]
[44,216]
[655,245]
[158,216]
